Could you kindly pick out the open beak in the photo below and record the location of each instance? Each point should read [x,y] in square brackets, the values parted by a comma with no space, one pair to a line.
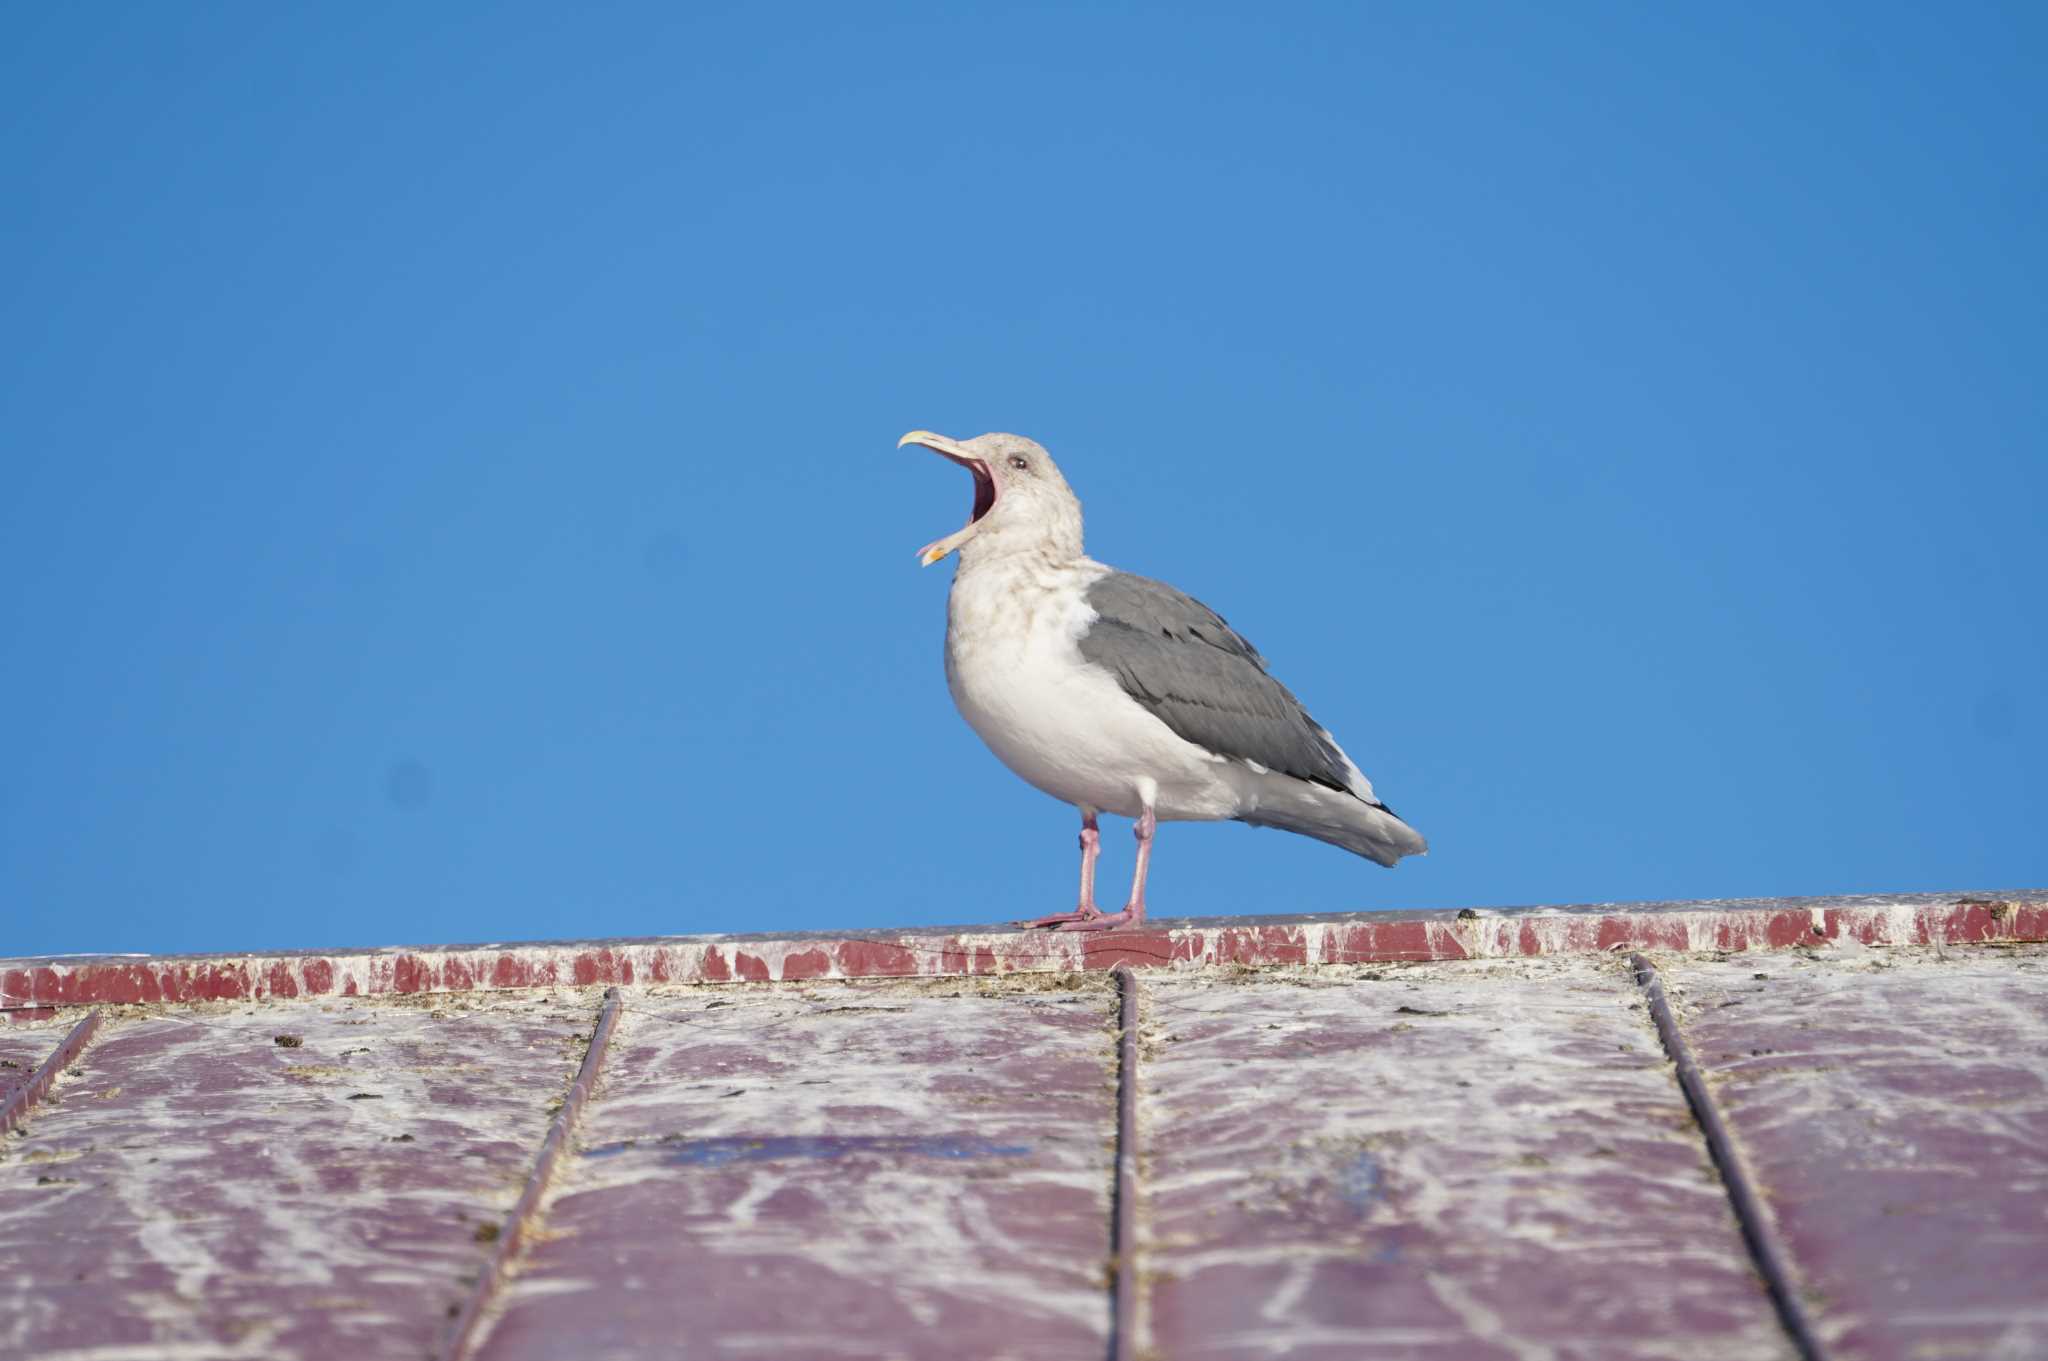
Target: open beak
[985,492]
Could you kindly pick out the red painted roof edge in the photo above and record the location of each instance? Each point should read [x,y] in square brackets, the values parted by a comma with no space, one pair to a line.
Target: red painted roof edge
[1351,937]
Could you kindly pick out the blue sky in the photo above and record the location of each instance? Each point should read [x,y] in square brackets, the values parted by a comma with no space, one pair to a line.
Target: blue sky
[451,494]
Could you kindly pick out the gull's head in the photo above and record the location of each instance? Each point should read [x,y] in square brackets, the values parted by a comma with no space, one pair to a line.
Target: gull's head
[1020,499]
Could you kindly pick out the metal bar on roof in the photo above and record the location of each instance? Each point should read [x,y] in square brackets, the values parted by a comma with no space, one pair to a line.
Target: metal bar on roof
[1124,1247]
[464,1331]
[17,1107]
[1771,1262]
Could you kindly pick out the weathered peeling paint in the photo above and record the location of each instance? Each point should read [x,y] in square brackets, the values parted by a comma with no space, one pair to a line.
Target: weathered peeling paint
[195,1187]
[1893,1104]
[1356,937]
[1484,1159]
[874,1170]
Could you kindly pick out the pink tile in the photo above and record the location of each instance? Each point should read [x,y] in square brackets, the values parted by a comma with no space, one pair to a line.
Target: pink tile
[1894,1108]
[1479,1160]
[199,1190]
[846,1171]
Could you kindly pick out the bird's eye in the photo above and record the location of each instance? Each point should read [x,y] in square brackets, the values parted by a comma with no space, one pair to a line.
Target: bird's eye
[1020,463]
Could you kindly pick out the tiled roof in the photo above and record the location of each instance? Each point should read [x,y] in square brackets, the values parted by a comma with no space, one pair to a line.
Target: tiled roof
[1431,1135]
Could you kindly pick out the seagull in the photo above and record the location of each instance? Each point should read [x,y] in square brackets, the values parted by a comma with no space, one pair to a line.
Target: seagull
[1119,694]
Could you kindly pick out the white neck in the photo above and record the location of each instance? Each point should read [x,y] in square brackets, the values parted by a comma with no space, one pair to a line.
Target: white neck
[1052,539]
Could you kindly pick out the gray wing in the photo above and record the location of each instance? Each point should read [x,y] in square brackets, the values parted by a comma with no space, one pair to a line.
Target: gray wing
[1177,657]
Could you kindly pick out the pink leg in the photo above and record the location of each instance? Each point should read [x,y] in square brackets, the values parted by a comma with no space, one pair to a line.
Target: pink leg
[1134,911]
[1091,846]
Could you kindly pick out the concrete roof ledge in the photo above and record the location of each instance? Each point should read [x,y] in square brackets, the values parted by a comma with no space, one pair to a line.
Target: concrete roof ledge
[1329,938]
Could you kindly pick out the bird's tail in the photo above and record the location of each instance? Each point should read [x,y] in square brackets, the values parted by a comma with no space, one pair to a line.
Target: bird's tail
[1364,828]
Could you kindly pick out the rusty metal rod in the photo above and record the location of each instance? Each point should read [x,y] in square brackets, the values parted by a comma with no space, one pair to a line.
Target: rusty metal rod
[17,1108]
[1743,1196]
[1124,1226]
[463,1333]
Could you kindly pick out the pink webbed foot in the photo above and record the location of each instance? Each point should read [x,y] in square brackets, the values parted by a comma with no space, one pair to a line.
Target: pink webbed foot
[1104,921]
[1064,921]
[1077,920]
[1089,917]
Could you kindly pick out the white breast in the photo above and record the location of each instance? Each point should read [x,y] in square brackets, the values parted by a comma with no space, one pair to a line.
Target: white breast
[1014,665]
